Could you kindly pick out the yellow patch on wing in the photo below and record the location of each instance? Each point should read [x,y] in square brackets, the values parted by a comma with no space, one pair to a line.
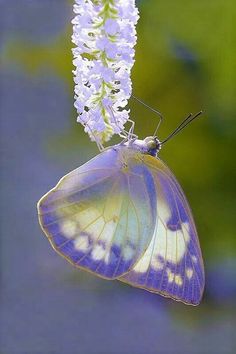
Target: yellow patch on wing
[113,205]
[178,280]
[170,275]
[189,273]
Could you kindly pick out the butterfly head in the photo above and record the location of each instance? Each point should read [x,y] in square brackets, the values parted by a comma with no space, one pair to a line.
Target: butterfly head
[150,145]
[153,145]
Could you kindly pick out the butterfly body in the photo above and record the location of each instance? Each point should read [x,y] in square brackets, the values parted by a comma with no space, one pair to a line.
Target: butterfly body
[123,215]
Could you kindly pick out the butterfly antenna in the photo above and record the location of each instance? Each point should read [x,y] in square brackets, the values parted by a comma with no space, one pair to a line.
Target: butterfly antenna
[182,125]
[151,109]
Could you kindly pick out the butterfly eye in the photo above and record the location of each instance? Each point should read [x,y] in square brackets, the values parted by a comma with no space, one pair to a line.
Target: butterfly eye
[150,142]
[153,145]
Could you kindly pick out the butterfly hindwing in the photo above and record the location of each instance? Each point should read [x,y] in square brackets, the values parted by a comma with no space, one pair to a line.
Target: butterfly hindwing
[101,216]
[172,264]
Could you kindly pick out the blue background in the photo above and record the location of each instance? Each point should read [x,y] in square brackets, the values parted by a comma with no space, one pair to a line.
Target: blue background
[184,63]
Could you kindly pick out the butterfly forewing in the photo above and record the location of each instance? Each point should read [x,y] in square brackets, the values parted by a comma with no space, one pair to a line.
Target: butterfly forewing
[101,216]
[172,264]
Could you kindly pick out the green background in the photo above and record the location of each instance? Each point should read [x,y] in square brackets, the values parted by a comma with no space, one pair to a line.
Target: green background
[185,62]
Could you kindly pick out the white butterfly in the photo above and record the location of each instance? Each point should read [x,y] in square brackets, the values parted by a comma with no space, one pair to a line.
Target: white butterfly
[123,215]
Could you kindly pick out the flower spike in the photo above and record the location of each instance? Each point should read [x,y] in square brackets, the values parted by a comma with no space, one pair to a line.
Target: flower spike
[104,34]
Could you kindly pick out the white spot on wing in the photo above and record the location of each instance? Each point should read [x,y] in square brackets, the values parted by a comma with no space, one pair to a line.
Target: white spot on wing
[108,232]
[171,245]
[81,243]
[143,264]
[107,258]
[163,211]
[156,264]
[167,244]
[68,228]
[128,253]
[98,253]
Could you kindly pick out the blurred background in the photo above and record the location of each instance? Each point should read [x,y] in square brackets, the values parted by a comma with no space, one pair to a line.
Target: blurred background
[185,61]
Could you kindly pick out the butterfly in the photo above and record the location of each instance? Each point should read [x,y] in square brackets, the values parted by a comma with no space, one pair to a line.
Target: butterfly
[123,215]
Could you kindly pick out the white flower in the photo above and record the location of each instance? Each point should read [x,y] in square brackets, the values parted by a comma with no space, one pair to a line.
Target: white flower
[104,34]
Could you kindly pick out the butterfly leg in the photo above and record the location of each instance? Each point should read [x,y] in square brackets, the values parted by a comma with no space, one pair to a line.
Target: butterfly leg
[101,148]
[131,130]
[129,135]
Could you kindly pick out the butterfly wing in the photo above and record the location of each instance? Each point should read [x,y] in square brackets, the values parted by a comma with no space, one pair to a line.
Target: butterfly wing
[172,264]
[100,216]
